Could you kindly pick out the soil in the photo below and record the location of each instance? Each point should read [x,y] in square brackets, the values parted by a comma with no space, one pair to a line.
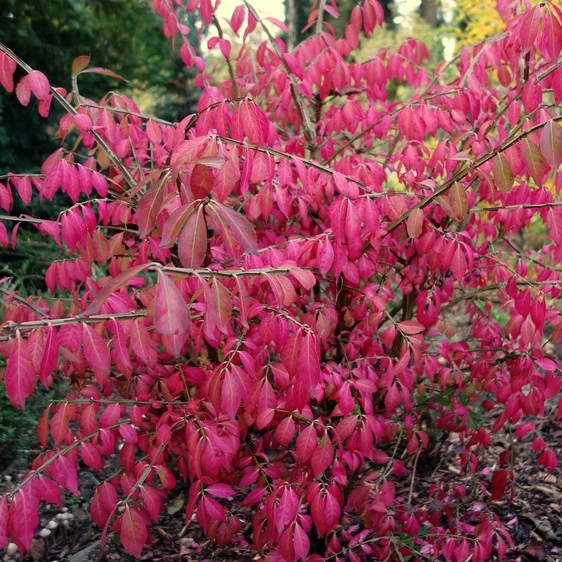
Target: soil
[534,518]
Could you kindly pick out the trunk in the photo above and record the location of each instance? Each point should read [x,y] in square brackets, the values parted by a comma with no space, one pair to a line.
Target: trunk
[292,24]
[429,12]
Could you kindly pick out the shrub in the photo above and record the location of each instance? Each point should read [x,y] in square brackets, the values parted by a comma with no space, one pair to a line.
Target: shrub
[284,298]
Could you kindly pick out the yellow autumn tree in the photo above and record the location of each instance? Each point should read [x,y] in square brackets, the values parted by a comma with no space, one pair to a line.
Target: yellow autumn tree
[477,19]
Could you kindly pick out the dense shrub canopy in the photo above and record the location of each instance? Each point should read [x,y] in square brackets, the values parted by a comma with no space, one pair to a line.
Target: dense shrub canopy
[287,298]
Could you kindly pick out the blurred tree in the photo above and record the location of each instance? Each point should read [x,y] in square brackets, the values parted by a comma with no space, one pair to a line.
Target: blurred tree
[297,11]
[123,35]
[430,13]
[476,20]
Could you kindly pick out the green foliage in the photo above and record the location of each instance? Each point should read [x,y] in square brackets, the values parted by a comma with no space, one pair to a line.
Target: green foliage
[18,428]
[123,35]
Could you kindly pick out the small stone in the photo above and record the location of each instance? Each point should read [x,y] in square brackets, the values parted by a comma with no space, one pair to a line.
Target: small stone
[37,548]
[11,550]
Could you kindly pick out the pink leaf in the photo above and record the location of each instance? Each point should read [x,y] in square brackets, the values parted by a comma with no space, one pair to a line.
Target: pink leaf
[38,84]
[104,71]
[309,361]
[23,518]
[322,456]
[7,69]
[148,209]
[192,245]
[535,162]
[301,542]
[551,143]
[95,349]
[20,374]
[240,226]
[414,224]
[171,314]
[175,224]
[133,531]
[503,174]
[306,443]
[3,518]
[79,64]
[220,491]
[112,286]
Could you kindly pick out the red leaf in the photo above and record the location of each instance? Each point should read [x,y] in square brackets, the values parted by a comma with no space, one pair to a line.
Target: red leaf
[535,162]
[171,314]
[104,71]
[60,421]
[251,121]
[91,456]
[7,69]
[23,187]
[503,175]
[414,225]
[95,350]
[220,491]
[142,343]
[287,508]
[223,304]
[322,456]
[23,518]
[98,512]
[411,124]
[23,91]
[3,514]
[153,499]
[50,356]
[133,531]
[529,28]
[20,374]
[551,143]
[192,245]
[201,181]
[231,394]
[38,84]
[79,64]
[410,327]
[120,352]
[301,542]
[309,361]
[111,287]
[458,201]
[174,225]
[128,433]
[148,208]
[306,443]
[499,482]
[240,226]
[285,431]
[554,221]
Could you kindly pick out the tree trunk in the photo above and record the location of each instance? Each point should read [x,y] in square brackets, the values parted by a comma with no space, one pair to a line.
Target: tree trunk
[292,24]
[429,12]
